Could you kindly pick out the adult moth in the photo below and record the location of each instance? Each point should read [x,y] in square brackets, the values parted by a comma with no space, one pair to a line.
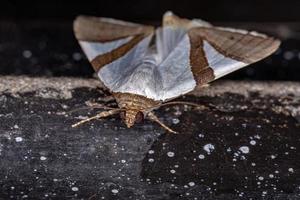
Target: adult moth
[143,68]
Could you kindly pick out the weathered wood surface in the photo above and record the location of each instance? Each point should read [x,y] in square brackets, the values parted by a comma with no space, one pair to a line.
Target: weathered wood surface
[246,145]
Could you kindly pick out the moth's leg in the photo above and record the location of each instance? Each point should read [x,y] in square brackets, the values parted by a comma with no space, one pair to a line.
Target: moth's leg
[91,105]
[154,118]
[103,100]
[205,85]
[98,116]
[103,91]
[97,105]
[199,106]
[106,99]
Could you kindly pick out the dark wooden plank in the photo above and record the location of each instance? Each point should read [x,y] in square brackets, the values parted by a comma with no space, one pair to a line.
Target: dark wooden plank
[251,131]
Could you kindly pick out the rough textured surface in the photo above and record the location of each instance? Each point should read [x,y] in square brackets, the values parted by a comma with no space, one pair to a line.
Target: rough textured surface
[245,145]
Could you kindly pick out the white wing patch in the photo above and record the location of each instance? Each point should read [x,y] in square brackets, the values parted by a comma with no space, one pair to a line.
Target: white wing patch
[219,63]
[93,49]
[169,79]
[121,74]
[175,70]
[167,38]
[168,72]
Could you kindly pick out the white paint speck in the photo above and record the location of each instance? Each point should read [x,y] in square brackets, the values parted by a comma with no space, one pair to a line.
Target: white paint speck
[75,189]
[191,184]
[172,171]
[209,148]
[123,161]
[43,158]
[244,149]
[260,178]
[19,139]
[201,135]
[76,56]
[16,126]
[201,156]
[257,136]
[151,160]
[291,170]
[171,154]
[253,142]
[271,175]
[27,54]
[115,191]
[151,151]
[175,120]
[288,55]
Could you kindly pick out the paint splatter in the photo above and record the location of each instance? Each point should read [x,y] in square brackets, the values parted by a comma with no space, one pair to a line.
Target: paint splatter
[171,154]
[43,158]
[19,139]
[244,149]
[209,148]
[115,191]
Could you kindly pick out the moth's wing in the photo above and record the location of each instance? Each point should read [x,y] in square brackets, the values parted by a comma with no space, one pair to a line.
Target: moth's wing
[172,32]
[111,45]
[219,51]
[206,53]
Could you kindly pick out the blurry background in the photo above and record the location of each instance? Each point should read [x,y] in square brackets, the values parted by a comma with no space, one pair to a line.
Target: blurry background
[36,37]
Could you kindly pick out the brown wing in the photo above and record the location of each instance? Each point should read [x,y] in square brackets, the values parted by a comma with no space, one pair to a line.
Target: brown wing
[172,32]
[105,40]
[224,50]
[193,52]
[97,29]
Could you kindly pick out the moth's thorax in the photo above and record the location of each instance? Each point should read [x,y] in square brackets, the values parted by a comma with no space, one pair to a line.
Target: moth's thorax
[129,101]
[134,106]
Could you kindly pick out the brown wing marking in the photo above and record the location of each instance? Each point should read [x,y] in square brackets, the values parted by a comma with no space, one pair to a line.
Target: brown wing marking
[95,29]
[247,48]
[104,59]
[200,68]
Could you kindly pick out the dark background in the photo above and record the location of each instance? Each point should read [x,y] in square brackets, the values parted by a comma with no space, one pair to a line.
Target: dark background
[36,37]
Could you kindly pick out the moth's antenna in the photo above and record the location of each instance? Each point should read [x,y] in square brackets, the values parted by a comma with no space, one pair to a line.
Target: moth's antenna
[154,118]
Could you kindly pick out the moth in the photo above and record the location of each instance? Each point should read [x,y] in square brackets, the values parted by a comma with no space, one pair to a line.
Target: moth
[144,68]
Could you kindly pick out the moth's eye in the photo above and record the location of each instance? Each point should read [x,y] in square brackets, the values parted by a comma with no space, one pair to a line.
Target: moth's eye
[139,117]
[122,114]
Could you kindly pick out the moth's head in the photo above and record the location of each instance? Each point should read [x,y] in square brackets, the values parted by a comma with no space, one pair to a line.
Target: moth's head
[131,116]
